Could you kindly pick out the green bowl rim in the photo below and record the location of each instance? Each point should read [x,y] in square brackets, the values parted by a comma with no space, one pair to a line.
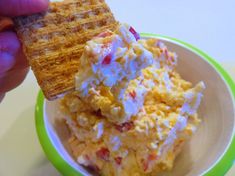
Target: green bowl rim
[220,168]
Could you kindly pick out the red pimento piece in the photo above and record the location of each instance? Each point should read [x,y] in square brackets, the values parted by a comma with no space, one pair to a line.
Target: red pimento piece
[107,59]
[103,153]
[118,160]
[136,35]
[152,157]
[128,125]
[119,128]
[144,164]
[133,94]
[87,157]
[105,34]
[93,168]
[124,126]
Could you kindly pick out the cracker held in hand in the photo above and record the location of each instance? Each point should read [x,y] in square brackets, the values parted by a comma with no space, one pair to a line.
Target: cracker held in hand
[53,41]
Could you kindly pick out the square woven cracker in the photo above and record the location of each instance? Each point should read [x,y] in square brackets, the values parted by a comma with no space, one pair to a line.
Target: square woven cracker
[53,41]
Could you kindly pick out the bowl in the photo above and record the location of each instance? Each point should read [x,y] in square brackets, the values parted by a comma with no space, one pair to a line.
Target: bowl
[209,152]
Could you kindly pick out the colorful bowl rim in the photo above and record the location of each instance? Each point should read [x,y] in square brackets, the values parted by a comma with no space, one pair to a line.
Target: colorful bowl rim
[220,168]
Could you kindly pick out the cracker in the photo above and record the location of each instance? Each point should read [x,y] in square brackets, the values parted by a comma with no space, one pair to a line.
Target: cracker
[53,41]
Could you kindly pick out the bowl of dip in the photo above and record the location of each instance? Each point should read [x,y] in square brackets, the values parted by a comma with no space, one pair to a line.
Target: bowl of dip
[210,150]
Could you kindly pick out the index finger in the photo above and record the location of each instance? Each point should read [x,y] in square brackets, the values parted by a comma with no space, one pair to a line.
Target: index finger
[22,7]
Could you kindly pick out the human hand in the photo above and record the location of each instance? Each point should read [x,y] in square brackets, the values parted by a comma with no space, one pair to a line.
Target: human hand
[13,64]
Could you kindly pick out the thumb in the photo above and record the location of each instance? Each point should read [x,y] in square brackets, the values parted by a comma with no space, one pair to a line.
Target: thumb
[22,7]
[9,46]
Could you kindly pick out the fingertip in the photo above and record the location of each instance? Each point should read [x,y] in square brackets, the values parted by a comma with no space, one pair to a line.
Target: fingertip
[9,43]
[9,47]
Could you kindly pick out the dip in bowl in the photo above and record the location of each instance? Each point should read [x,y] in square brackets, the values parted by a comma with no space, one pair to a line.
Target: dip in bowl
[208,152]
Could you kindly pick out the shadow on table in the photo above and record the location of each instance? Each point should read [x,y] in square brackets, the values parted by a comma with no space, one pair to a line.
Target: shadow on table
[20,150]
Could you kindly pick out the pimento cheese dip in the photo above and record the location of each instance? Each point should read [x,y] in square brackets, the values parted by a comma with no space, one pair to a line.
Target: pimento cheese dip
[131,112]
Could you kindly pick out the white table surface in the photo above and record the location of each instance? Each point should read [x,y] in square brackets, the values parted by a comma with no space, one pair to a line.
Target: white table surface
[207,24]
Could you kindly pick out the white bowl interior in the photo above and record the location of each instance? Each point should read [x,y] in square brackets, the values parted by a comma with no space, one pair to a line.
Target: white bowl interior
[212,138]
